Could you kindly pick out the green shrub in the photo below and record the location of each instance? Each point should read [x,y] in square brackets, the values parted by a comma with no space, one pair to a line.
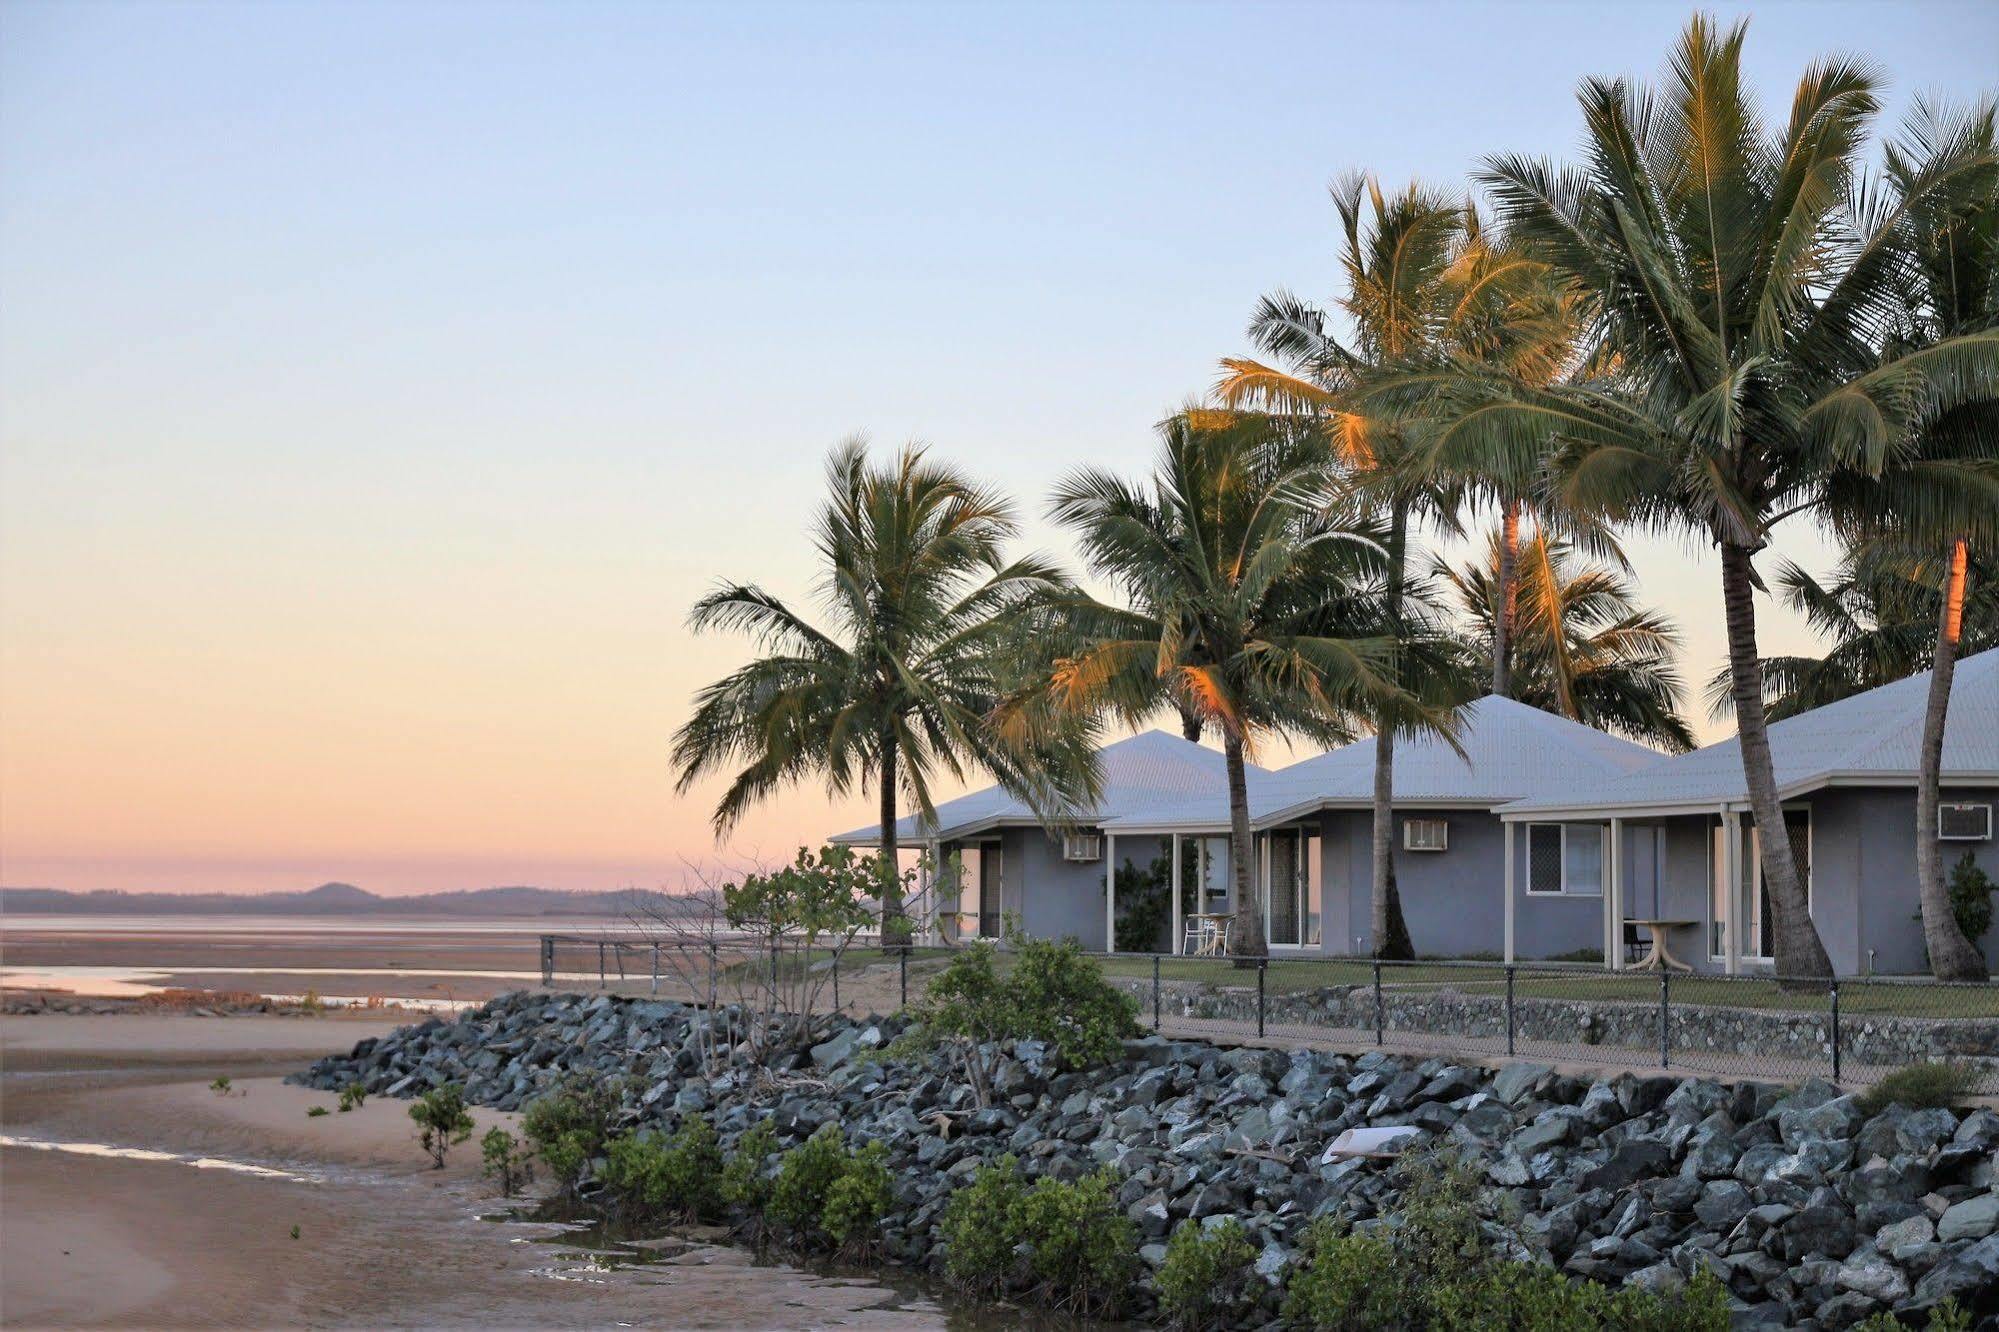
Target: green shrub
[857,1201]
[441,1121]
[1947,1316]
[1052,993]
[679,1177]
[505,1160]
[804,1179]
[1206,1279]
[978,1223]
[1145,907]
[220,1086]
[1971,897]
[568,1126]
[1432,1268]
[1082,1249]
[316,1111]
[745,1183]
[1921,1087]
[352,1097]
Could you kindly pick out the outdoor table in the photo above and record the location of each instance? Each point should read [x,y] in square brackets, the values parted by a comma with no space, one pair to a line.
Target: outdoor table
[1661,957]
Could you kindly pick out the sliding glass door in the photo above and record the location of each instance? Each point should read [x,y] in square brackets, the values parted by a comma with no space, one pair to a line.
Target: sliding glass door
[1291,896]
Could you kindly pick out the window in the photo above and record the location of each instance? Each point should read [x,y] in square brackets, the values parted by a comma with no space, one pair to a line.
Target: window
[1425,834]
[1544,858]
[1964,823]
[1565,858]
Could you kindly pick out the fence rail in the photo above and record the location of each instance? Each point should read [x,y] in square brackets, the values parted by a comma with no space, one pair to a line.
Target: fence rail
[1851,1030]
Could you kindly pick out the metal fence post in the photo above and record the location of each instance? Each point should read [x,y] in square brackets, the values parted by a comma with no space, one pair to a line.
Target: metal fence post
[1665,1018]
[547,959]
[836,982]
[1262,965]
[1379,1021]
[714,961]
[1509,1012]
[1155,992]
[655,968]
[1835,1030]
[902,964]
[601,983]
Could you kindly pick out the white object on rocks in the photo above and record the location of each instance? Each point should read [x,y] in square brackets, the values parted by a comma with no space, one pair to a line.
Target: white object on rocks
[1382,1142]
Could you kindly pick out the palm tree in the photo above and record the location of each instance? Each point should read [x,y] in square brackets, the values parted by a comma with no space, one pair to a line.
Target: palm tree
[1739,375]
[1879,612]
[1404,260]
[1249,598]
[1584,648]
[924,605]
[1937,503]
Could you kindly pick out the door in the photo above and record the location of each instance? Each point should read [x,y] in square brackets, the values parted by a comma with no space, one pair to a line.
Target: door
[990,883]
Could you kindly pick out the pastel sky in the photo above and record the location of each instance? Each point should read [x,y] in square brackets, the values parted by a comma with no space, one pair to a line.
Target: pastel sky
[380,383]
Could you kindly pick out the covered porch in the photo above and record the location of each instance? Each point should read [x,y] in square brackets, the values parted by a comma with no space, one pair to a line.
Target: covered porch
[1173,890]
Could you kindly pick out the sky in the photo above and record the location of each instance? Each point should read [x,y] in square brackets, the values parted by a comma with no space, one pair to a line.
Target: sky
[379,384]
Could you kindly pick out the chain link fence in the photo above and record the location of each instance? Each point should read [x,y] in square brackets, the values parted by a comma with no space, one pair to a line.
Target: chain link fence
[1851,1031]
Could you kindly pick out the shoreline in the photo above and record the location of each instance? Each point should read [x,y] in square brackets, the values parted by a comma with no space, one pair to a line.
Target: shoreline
[384,1241]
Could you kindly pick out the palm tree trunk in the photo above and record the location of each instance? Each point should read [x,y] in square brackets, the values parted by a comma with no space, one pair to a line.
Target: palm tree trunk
[894,920]
[1799,952]
[1246,938]
[1504,597]
[1390,931]
[1190,725]
[1952,956]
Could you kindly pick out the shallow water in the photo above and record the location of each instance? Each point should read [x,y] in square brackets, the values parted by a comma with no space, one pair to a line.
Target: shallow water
[106,1151]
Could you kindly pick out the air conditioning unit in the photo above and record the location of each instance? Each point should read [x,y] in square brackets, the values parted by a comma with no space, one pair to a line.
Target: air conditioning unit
[1964,823]
[1082,846]
[1426,834]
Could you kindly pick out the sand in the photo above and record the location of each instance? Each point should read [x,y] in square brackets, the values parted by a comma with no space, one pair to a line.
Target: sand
[383,1240]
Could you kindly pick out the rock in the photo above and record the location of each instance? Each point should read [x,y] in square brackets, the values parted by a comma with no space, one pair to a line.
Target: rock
[1516,1082]
[1868,1273]
[1972,1270]
[1632,1160]
[1972,1219]
[1722,1203]
[1900,1239]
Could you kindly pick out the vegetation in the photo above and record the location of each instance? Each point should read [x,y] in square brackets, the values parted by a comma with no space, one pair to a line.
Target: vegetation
[506,1160]
[1947,1316]
[677,1178]
[220,1086]
[1206,1280]
[826,1195]
[1925,1086]
[1254,600]
[1971,897]
[1065,1244]
[1052,992]
[857,1201]
[1581,646]
[352,1097]
[923,605]
[1433,1267]
[569,1126]
[1145,905]
[314,1112]
[442,1121]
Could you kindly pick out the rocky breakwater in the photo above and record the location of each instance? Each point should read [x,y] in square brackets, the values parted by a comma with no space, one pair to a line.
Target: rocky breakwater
[1803,1205]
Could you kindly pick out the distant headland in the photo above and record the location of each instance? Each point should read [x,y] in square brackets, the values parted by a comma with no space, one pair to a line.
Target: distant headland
[341,899]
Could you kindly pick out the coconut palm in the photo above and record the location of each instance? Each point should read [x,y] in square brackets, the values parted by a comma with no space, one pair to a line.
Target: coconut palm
[1584,648]
[1411,265]
[1937,503]
[1739,338]
[1249,597]
[1879,613]
[924,605]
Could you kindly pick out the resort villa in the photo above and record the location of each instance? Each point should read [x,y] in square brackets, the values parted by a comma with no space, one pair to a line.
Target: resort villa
[1531,837]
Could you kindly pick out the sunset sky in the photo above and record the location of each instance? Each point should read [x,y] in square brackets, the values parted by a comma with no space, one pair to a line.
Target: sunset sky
[380,384]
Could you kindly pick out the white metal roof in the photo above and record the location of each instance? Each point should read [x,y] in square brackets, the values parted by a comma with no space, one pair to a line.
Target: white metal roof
[1510,749]
[1147,770]
[1868,739]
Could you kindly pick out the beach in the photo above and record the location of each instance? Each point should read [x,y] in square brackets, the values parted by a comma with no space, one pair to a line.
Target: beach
[194,1225]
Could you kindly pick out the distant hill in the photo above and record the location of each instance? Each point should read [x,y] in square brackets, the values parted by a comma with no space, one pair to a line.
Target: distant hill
[340,899]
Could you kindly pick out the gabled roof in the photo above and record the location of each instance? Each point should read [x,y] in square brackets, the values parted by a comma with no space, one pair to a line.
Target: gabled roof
[1868,739]
[1510,749]
[1148,770]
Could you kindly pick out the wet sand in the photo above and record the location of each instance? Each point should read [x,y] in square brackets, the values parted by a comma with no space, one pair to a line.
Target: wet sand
[383,1240]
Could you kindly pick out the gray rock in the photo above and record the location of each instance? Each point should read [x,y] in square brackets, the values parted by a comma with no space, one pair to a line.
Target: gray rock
[1516,1082]
[1868,1273]
[1972,1219]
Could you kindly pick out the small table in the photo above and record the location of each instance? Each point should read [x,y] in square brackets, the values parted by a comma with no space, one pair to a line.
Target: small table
[1661,957]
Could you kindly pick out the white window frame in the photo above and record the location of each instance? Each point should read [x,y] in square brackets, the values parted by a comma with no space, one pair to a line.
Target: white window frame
[1562,854]
[1079,848]
[1985,836]
[1742,896]
[1441,825]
